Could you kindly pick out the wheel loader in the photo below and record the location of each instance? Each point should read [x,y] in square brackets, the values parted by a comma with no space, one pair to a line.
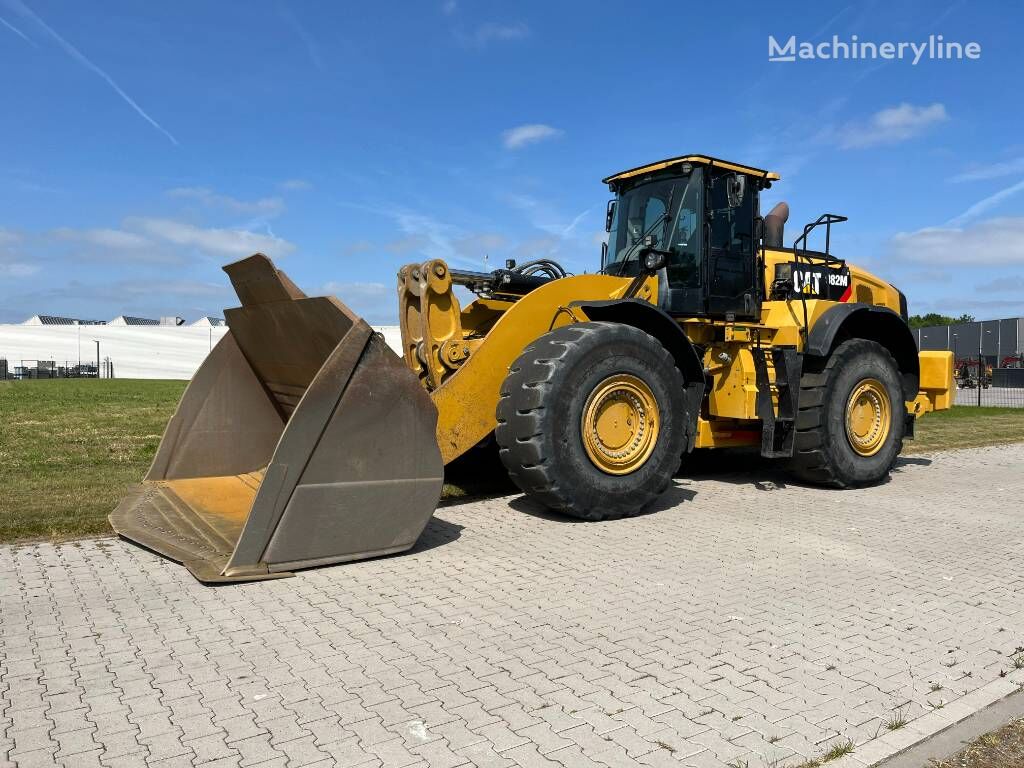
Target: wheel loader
[304,440]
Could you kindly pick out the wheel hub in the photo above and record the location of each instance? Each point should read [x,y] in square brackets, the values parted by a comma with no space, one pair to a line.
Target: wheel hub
[868,417]
[620,424]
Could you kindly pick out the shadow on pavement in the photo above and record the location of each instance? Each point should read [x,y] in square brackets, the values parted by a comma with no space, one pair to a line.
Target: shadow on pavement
[920,461]
[437,533]
[477,474]
[480,474]
[670,498]
[738,466]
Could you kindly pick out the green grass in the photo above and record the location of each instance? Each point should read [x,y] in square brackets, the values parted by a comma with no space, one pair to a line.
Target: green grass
[967,427]
[70,449]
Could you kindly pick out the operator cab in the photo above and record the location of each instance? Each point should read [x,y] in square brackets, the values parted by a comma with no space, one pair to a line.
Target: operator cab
[701,215]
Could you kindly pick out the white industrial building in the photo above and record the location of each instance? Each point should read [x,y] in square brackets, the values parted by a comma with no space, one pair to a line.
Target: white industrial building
[131,350]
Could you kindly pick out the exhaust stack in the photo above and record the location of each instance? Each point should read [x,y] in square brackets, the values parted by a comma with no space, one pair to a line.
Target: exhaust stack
[775,225]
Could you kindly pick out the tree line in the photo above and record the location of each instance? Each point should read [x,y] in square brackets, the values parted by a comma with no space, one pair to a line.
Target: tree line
[934,318]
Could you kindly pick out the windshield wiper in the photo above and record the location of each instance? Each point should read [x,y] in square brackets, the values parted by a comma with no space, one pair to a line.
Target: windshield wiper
[663,217]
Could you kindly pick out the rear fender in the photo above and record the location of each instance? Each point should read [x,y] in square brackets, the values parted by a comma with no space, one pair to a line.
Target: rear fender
[878,324]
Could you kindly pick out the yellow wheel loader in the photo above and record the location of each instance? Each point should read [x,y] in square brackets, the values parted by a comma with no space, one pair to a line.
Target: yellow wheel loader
[304,440]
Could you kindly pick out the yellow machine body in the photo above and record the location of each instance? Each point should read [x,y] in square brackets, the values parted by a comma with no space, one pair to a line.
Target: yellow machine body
[489,334]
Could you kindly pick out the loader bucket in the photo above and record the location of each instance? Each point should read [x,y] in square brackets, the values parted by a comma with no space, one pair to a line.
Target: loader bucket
[302,440]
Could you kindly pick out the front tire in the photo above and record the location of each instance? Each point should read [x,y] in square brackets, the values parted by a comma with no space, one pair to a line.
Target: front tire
[591,420]
[850,424]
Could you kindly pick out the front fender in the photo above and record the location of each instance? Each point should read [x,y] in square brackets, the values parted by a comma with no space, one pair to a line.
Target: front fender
[659,324]
[650,319]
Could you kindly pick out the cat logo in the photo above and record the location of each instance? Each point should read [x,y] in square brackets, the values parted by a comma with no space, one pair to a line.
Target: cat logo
[822,283]
[807,281]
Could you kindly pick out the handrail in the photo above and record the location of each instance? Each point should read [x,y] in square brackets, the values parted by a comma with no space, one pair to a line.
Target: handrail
[828,219]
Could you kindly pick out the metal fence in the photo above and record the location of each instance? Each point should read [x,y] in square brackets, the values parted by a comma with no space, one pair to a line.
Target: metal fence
[53,369]
[989,359]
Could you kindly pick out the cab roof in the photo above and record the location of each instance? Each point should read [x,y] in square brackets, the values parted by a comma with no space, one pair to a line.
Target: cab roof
[705,160]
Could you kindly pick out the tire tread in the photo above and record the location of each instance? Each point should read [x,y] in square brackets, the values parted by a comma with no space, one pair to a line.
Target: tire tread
[523,423]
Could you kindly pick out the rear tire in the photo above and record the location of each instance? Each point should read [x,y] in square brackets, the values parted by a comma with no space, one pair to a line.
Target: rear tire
[567,376]
[850,424]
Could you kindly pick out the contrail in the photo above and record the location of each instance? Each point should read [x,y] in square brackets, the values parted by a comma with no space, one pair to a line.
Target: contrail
[983,205]
[311,47]
[84,61]
[16,31]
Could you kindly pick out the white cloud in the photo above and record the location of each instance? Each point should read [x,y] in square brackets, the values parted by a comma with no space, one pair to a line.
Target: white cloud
[18,269]
[126,245]
[364,290]
[984,309]
[9,238]
[433,239]
[437,236]
[991,171]
[374,302]
[538,247]
[524,202]
[140,292]
[11,264]
[490,32]
[1007,284]
[296,185]
[479,245]
[892,125]
[149,297]
[104,238]
[522,135]
[991,242]
[405,244]
[359,246]
[266,206]
[223,242]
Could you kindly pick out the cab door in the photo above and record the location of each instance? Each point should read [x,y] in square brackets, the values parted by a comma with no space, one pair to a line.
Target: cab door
[731,264]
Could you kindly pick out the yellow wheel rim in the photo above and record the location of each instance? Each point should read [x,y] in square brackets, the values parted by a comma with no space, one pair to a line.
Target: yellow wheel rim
[868,417]
[620,424]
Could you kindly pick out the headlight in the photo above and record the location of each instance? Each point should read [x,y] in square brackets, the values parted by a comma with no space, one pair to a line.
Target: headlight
[653,261]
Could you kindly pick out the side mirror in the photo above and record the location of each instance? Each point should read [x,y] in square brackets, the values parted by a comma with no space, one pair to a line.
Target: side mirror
[737,187]
[609,215]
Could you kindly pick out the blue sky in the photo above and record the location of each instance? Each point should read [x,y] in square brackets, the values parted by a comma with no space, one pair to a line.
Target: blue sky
[143,145]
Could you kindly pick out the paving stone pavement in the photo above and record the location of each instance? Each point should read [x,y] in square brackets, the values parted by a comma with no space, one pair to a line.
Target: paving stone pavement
[743,622]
